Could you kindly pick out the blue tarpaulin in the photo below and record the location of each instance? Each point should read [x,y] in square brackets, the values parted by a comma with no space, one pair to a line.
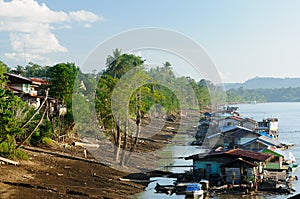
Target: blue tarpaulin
[193,187]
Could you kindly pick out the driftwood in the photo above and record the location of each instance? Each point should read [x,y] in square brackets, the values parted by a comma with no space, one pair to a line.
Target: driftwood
[8,161]
[87,145]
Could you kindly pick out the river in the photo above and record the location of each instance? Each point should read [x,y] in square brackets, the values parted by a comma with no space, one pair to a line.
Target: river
[289,132]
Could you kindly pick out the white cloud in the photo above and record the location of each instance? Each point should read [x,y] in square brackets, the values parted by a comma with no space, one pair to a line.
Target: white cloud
[35,58]
[31,24]
[84,16]
[33,42]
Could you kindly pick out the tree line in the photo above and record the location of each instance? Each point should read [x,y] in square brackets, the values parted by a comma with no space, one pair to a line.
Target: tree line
[161,92]
[242,95]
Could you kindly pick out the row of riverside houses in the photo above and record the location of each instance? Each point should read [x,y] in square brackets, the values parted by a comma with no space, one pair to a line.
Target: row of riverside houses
[243,151]
[32,91]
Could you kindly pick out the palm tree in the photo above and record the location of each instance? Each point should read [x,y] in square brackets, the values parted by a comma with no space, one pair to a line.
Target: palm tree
[113,61]
[111,58]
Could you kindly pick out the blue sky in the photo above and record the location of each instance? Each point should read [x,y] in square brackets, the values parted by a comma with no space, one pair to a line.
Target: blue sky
[244,38]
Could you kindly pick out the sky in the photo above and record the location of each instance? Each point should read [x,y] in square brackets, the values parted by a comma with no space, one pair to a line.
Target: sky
[243,38]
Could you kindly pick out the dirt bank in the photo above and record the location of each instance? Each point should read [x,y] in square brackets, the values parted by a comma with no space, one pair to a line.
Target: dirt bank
[65,173]
[49,176]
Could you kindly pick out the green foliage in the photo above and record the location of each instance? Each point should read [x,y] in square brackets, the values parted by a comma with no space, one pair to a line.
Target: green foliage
[7,149]
[18,154]
[30,70]
[48,142]
[62,77]
[159,86]
[19,70]
[35,70]
[103,100]
[3,78]
[44,131]
[122,64]
[12,112]
[242,95]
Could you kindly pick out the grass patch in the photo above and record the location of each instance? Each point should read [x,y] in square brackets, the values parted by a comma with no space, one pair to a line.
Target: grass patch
[48,142]
[18,155]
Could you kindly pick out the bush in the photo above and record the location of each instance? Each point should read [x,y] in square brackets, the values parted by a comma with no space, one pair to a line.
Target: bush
[4,149]
[7,152]
[48,142]
[44,131]
[18,155]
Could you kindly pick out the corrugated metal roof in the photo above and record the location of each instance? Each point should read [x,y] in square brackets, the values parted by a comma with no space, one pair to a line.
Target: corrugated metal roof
[228,128]
[39,80]
[240,160]
[238,153]
[269,151]
[269,140]
[242,132]
[17,79]
[249,154]
[235,118]
[250,120]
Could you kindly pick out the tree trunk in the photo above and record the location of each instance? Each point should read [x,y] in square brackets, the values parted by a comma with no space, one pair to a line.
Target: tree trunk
[117,142]
[30,134]
[138,127]
[125,139]
[137,134]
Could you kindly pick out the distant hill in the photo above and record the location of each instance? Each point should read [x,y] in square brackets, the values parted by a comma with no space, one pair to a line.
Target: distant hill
[265,82]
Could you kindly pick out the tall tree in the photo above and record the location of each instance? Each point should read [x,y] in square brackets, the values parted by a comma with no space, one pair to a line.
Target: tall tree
[62,77]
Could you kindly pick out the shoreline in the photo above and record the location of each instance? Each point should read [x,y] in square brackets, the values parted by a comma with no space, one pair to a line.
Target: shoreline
[54,176]
[58,172]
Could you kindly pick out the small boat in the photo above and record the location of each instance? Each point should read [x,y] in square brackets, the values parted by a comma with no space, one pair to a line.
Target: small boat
[293,167]
[167,189]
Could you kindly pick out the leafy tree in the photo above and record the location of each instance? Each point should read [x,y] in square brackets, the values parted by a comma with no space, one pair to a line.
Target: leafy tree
[35,70]
[19,70]
[12,113]
[3,78]
[62,76]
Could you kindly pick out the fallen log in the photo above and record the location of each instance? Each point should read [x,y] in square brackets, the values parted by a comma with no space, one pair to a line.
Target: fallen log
[9,161]
[87,145]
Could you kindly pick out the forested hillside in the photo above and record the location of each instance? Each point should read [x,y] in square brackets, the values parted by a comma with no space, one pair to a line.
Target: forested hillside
[243,95]
[265,82]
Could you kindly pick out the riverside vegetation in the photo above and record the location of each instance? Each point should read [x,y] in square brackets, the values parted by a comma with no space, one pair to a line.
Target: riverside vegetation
[66,80]
[22,125]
